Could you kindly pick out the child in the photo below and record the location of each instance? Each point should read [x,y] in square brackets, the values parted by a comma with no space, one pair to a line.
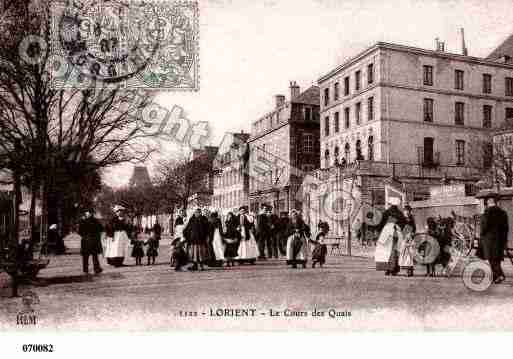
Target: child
[320,250]
[178,254]
[406,250]
[138,251]
[153,245]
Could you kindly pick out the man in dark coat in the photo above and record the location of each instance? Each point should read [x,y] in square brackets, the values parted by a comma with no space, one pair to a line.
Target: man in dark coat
[196,234]
[263,231]
[272,239]
[90,230]
[494,236]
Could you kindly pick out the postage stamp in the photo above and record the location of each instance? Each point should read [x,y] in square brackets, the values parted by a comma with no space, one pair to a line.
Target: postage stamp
[126,44]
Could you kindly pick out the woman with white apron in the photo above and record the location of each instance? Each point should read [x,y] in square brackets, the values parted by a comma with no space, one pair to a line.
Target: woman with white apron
[118,238]
[248,249]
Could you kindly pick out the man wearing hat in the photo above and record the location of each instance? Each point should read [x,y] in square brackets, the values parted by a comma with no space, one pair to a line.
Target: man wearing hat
[119,232]
[90,230]
[263,230]
[494,236]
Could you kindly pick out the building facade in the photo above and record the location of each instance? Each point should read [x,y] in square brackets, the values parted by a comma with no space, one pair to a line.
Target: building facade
[411,115]
[284,144]
[231,179]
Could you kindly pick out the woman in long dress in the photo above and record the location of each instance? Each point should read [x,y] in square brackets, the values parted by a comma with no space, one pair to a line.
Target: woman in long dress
[196,233]
[217,239]
[248,249]
[386,255]
[231,238]
[179,251]
[407,248]
[118,238]
[298,234]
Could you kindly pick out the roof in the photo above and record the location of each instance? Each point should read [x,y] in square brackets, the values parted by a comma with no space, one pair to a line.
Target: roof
[310,96]
[505,48]
[412,49]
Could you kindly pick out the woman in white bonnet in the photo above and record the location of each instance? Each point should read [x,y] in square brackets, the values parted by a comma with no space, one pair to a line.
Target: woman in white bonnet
[118,238]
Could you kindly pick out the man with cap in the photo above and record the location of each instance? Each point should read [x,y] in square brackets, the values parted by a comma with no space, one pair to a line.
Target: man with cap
[494,236]
[118,241]
[90,230]
[386,255]
[272,239]
[263,230]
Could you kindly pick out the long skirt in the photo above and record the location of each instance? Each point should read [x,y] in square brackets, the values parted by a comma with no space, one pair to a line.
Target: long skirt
[406,254]
[297,252]
[248,248]
[218,245]
[117,248]
[198,253]
[319,253]
[386,255]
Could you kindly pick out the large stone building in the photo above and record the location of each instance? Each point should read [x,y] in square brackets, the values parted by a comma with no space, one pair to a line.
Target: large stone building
[283,144]
[409,115]
[231,179]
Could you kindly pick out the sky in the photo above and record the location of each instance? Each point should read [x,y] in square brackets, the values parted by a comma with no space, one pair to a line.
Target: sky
[250,50]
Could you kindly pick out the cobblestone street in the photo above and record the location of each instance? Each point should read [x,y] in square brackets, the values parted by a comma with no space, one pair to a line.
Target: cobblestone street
[157,297]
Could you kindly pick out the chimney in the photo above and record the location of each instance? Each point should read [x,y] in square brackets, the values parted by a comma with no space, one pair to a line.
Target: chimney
[439,45]
[464,50]
[280,100]
[294,90]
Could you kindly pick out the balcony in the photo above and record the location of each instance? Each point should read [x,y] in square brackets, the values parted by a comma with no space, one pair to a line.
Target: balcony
[430,161]
[431,170]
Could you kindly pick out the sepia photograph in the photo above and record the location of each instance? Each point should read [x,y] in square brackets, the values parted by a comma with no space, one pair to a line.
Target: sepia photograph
[335,166]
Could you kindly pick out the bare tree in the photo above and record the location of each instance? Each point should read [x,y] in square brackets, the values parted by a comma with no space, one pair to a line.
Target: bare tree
[181,177]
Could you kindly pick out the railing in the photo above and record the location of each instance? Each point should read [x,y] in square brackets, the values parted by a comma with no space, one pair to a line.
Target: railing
[398,169]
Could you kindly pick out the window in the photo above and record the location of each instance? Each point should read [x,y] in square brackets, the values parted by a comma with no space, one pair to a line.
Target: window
[336,90]
[327,157]
[509,86]
[308,114]
[459,113]
[370,108]
[326,96]
[336,153]
[428,75]
[307,143]
[487,83]
[346,117]
[509,113]
[487,116]
[337,128]
[460,152]
[358,148]
[346,152]
[357,80]
[428,110]
[370,148]
[487,155]
[458,79]
[326,126]
[357,111]
[346,86]
[370,74]
[428,150]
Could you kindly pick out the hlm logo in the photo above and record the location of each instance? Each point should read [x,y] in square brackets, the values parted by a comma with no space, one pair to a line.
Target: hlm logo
[27,316]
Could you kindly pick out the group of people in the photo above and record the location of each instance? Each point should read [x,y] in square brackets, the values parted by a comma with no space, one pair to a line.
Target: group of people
[115,243]
[205,239]
[396,248]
